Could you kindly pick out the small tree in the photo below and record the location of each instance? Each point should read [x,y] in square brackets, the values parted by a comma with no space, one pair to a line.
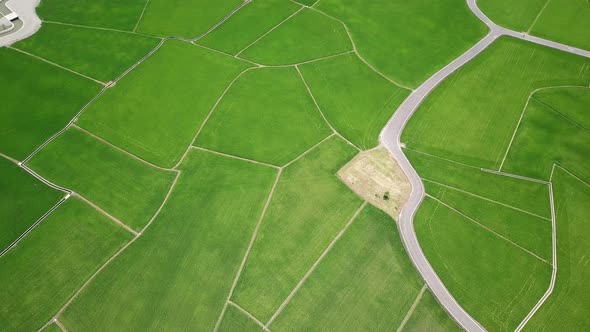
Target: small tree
[386,196]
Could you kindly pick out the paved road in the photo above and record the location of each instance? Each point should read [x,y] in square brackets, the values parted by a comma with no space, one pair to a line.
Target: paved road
[29,21]
[390,138]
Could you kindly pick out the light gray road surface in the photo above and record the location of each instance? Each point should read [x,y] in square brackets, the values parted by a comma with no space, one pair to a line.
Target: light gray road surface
[27,24]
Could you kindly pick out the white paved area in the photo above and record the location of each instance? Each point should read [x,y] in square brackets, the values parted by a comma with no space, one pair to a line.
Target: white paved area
[25,9]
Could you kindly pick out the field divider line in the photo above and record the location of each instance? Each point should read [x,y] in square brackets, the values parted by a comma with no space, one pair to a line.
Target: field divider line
[247,253]
[320,110]
[141,15]
[315,265]
[441,158]
[412,308]
[514,176]
[227,17]
[537,17]
[487,228]
[45,181]
[106,214]
[561,114]
[248,314]
[98,28]
[57,65]
[556,165]
[60,325]
[269,31]
[302,62]
[235,157]
[486,199]
[9,158]
[227,54]
[309,150]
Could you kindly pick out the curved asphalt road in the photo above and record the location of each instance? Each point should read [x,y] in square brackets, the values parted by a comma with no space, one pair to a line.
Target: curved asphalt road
[390,138]
[25,9]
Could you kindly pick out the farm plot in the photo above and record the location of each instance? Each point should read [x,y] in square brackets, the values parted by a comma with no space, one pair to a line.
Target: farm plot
[235,320]
[126,188]
[267,115]
[178,274]
[52,262]
[26,122]
[429,316]
[482,102]
[155,111]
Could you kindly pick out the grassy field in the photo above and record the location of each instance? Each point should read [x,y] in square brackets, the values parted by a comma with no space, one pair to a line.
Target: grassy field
[337,83]
[516,15]
[306,36]
[126,188]
[186,18]
[178,274]
[267,115]
[494,280]
[547,135]
[429,316]
[130,114]
[52,328]
[482,102]
[24,200]
[100,54]
[52,262]
[122,15]
[566,308]
[248,24]
[568,101]
[40,100]
[309,207]
[234,320]
[365,283]
[408,40]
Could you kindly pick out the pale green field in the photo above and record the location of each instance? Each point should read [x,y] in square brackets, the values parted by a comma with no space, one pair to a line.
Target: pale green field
[234,320]
[429,316]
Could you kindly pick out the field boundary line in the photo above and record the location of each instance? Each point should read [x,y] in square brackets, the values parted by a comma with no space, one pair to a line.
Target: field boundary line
[315,264]
[9,158]
[45,181]
[57,65]
[247,253]
[227,54]
[514,176]
[441,158]
[565,117]
[99,28]
[141,15]
[556,165]
[537,17]
[60,325]
[317,106]
[412,308]
[486,228]
[248,314]
[106,214]
[231,156]
[486,199]
[309,150]
[225,18]
[302,62]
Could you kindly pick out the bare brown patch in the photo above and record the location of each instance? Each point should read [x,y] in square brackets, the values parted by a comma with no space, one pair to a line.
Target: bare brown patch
[376,177]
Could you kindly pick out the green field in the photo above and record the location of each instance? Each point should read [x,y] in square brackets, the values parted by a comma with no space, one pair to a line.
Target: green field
[126,188]
[24,200]
[130,115]
[178,274]
[516,15]
[26,122]
[336,84]
[267,115]
[429,316]
[235,320]
[52,262]
[100,54]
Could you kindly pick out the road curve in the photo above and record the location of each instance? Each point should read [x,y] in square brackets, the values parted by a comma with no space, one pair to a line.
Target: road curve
[25,9]
[391,138]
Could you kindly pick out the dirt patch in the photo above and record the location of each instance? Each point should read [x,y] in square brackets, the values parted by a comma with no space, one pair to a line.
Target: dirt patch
[376,177]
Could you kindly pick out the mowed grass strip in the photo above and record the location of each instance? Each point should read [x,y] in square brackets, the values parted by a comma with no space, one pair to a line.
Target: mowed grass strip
[365,283]
[100,13]
[38,100]
[357,101]
[52,262]
[178,274]
[494,280]
[547,136]
[306,36]
[24,201]
[408,40]
[267,115]
[155,111]
[472,115]
[186,18]
[429,316]
[566,308]
[100,54]
[525,195]
[309,207]
[126,188]
[235,320]
[248,24]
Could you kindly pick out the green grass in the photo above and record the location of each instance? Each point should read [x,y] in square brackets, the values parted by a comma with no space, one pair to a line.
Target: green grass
[568,102]
[309,207]
[126,188]
[121,15]
[530,232]
[306,36]
[248,24]
[429,316]
[365,283]
[184,18]
[51,263]
[39,101]
[495,281]
[52,328]
[267,115]
[528,196]
[100,54]
[178,274]
[408,40]
[234,320]
[337,84]
[516,15]
[566,308]
[155,111]
[472,115]
[547,136]
[24,200]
